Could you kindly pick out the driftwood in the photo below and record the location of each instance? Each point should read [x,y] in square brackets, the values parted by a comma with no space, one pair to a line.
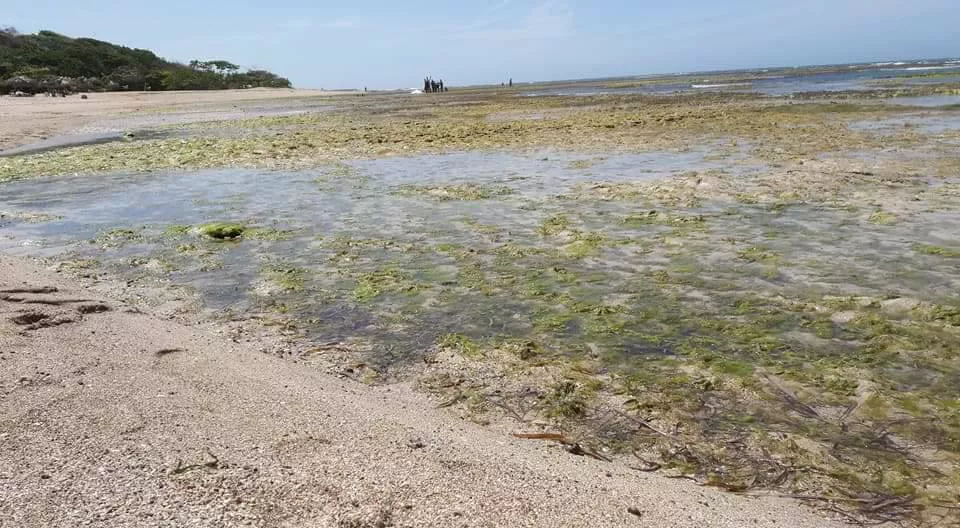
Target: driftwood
[48,302]
[167,351]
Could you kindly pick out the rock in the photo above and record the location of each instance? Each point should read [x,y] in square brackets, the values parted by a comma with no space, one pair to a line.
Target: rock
[899,305]
[843,317]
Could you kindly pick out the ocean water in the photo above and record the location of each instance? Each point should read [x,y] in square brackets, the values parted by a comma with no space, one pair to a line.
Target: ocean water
[773,82]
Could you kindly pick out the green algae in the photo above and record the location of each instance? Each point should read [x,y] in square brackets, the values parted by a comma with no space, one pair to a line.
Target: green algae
[222,230]
[118,237]
[554,225]
[176,230]
[286,278]
[464,192]
[268,233]
[583,245]
[373,284]
[940,251]
[882,218]
[758,255]
[459,344]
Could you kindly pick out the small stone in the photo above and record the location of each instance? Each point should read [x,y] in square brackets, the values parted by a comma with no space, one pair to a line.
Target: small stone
[843,317]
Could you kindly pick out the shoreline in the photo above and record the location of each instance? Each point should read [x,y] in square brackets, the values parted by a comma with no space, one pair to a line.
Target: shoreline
[115,415]
[29,119]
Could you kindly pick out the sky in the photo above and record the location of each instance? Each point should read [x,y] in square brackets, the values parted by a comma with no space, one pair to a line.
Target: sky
[385,44]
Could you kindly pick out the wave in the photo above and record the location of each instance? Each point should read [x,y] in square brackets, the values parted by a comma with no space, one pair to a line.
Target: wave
[917,68]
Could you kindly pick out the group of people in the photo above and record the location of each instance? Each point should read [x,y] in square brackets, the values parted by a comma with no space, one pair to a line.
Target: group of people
[432,86]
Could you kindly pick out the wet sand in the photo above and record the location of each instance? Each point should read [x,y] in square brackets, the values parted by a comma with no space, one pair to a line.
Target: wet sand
[26,120]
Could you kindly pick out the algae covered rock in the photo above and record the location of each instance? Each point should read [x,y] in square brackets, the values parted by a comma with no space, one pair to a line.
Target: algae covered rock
[222,231]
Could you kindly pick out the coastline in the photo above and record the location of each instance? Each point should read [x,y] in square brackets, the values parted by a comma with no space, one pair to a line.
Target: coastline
[122,417]
[30,119]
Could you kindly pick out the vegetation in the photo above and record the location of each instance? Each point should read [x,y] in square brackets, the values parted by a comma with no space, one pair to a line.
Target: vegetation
[222,231]
[50,62]
[926,249]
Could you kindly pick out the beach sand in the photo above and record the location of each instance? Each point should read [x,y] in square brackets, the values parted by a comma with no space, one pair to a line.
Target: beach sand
[26,120]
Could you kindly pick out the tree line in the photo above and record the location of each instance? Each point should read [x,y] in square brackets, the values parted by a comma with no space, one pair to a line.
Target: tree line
[51,62]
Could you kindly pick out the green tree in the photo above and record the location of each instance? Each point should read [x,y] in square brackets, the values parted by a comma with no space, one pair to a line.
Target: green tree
[56,60]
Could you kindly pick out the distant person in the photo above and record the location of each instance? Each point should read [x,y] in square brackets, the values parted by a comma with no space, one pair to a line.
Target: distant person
[441,85]
[511,82]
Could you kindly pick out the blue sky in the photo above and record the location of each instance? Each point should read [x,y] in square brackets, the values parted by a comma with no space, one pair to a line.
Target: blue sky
[394,43]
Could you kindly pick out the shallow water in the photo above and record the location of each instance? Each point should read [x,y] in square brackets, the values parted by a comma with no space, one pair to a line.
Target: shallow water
[786,83]
[928,101]
[375,250]
[76,140]
[924,123]
[69,140]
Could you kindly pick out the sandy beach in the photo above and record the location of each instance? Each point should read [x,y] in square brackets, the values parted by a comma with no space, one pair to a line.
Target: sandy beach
[29,119]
